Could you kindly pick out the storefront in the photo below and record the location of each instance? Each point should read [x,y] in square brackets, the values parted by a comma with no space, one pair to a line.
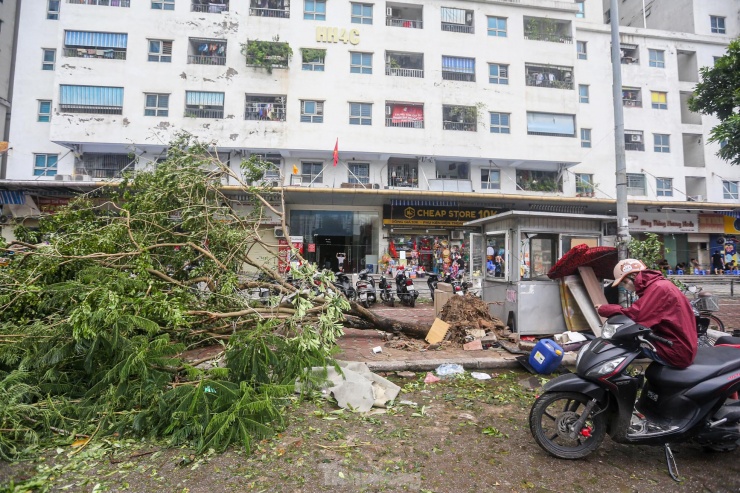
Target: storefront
[679,233]
[429,236]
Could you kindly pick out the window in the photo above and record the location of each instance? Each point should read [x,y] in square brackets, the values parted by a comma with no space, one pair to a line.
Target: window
[717,23]
[632,97]
[458,68]
[311,172]
[490,179]
[87,44]
[664,187]
[584,183]
[659,100]
[581,9]
[361,63]
[44,111]
[49,59]
[52,9]
[360,114]
[313,60]
[585,137]
[312,111]
[729,190]
[314,10]
[635,184]
[457,20]
[463,118]
[362,13]
[497,26]
[45,164]
[160,51]
[91,99]
[582,93]
[581,49]
[498,74]
[633,140]
[552,124]
[157,105]
[359,173]
[202,104]
[496,257]
[500,123]
[656,58]
[661,143]
[163,4]
[265,108]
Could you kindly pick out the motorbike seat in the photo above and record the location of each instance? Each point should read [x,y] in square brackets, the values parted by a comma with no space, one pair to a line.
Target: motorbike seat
[710,362]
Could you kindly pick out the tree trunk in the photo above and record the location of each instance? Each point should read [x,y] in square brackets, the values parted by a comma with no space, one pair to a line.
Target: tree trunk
[360,317]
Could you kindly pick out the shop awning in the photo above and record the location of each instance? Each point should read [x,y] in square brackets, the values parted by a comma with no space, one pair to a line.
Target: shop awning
[12,197]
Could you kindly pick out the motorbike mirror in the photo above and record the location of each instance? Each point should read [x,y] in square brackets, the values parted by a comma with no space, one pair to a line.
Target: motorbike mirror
[692,289]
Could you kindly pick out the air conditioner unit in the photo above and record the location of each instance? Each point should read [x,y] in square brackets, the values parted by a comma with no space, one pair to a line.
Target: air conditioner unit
[61,177]
[636,138]
[389,12]
[279,233]
[388,110]
[457,235]
[5,218]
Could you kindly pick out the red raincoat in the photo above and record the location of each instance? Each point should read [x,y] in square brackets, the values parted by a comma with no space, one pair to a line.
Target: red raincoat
[663,308]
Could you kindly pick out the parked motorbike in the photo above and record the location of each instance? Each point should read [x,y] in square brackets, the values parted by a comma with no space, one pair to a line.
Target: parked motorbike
[459,286]
[405,289]
[365,288]
[575,411]
[386,290]
[344,284]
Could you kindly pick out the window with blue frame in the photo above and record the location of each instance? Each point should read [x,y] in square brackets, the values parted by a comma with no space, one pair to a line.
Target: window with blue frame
[497,26]
[498,73]
[583,93]
[664,187]
[163,4]
[91,99]
[730,189]
[358,173]
[362,13]
[52,10]
[314,10]
[360,114]
[44,111]
[661,143]
[490,179]
[312,111]
[585,137]
[656,58]
[45,164]
[49,59]
[361,63]
[500,123]
[718,24]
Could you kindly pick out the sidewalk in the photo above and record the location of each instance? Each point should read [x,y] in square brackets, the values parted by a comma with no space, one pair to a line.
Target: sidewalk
[357,345]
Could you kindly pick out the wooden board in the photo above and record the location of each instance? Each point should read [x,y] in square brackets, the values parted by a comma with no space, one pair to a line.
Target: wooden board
[572,314]
[594,288]
[438,331]
[576,287]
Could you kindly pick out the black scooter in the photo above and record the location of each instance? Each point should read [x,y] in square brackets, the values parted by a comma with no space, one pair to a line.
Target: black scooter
[344,284]
[458,286]
[386,291]
[570,419]
[405,289]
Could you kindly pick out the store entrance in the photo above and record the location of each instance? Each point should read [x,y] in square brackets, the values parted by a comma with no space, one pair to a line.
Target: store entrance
[327,248]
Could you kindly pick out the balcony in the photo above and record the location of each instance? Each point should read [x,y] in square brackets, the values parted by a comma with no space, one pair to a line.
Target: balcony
[202,51]
[633,141]
[270,8]
[403,173]
[402,115]
[265,108]
[550,30]
[538,181]
[267,54]
[401,15]
[110,54]
[462,118]
[551,76]
[209,6]
[404,64]
[631,97]
[194,112]
[92,109]
[629,54]
[457,20]
[104,166]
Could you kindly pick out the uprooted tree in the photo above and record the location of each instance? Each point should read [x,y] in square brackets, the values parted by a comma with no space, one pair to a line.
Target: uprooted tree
[99,304]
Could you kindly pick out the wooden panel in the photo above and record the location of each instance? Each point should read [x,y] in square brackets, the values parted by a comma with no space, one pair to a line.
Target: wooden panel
[575,284]
[574,318]
[594,287]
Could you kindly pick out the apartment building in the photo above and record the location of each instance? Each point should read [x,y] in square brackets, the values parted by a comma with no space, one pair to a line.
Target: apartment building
[440,112]
[7,38]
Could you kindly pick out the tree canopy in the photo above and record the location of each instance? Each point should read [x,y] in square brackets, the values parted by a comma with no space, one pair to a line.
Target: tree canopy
[718,94]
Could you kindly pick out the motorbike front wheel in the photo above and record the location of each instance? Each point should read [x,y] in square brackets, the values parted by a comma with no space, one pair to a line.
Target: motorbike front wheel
[552,417]
[715,323]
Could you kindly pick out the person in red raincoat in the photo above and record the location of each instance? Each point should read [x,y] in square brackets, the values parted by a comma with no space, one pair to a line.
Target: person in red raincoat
[662,307]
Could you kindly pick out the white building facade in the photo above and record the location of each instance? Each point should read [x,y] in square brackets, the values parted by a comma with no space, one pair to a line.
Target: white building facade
[456,110]
[7,38]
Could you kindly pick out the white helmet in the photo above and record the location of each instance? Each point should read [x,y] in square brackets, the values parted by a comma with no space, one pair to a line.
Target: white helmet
[626,267]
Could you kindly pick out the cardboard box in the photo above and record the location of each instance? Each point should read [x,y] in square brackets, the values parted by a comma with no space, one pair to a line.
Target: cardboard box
[438,331]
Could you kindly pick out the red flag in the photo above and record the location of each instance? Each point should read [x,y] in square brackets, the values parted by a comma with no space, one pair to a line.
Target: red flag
[336,152]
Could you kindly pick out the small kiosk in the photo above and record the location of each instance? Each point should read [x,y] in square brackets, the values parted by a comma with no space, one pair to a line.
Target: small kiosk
[513,254]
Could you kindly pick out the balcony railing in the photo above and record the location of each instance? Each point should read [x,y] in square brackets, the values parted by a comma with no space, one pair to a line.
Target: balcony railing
[457,28]
[271,112]
[404,72]
[93,53]
[466,77]
[280,13]
[463,126]
[637,103]
[552,38]
[204,113]
[211,8]
[105,3]
[100,172]
[91,109]
[634,146]
[537,81]
[394,181]
[412,23]
[399,124]
[206,60]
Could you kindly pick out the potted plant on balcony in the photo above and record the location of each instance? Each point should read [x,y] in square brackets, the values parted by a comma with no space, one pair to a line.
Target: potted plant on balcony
[267,54]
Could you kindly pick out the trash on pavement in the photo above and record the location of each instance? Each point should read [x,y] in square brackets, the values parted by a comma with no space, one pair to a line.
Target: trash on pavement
[449,369]
[406,374]
[377,350]
[489,342]
[430,378]
[438,331]
[546,356]
[358,389]
[473,345]
[480,376]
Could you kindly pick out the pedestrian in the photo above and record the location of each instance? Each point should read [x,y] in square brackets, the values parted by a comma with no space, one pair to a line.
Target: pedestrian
[695,265]
[718,264]
[660,306]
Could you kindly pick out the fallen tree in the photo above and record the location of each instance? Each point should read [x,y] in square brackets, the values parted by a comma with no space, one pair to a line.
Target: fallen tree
[98,305]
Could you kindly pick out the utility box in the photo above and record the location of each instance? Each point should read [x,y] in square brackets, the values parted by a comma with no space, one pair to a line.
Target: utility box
[442,295]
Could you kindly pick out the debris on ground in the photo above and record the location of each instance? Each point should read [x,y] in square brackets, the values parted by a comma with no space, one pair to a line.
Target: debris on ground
[480,376]
[405,344]
[430,378]
[406,374]
[449,369]
[469,319]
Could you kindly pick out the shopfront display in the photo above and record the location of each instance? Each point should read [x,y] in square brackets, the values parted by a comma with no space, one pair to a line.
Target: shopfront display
[423,253]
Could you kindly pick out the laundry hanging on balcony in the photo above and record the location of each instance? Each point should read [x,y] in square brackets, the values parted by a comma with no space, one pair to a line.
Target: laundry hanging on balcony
[95,39]
[91,96]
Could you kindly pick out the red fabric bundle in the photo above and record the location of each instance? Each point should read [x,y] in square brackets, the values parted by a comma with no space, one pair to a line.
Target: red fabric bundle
[601,259]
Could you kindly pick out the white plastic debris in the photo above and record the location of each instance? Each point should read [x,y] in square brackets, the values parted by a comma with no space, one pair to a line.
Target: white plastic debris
[480,376]
[449,369]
